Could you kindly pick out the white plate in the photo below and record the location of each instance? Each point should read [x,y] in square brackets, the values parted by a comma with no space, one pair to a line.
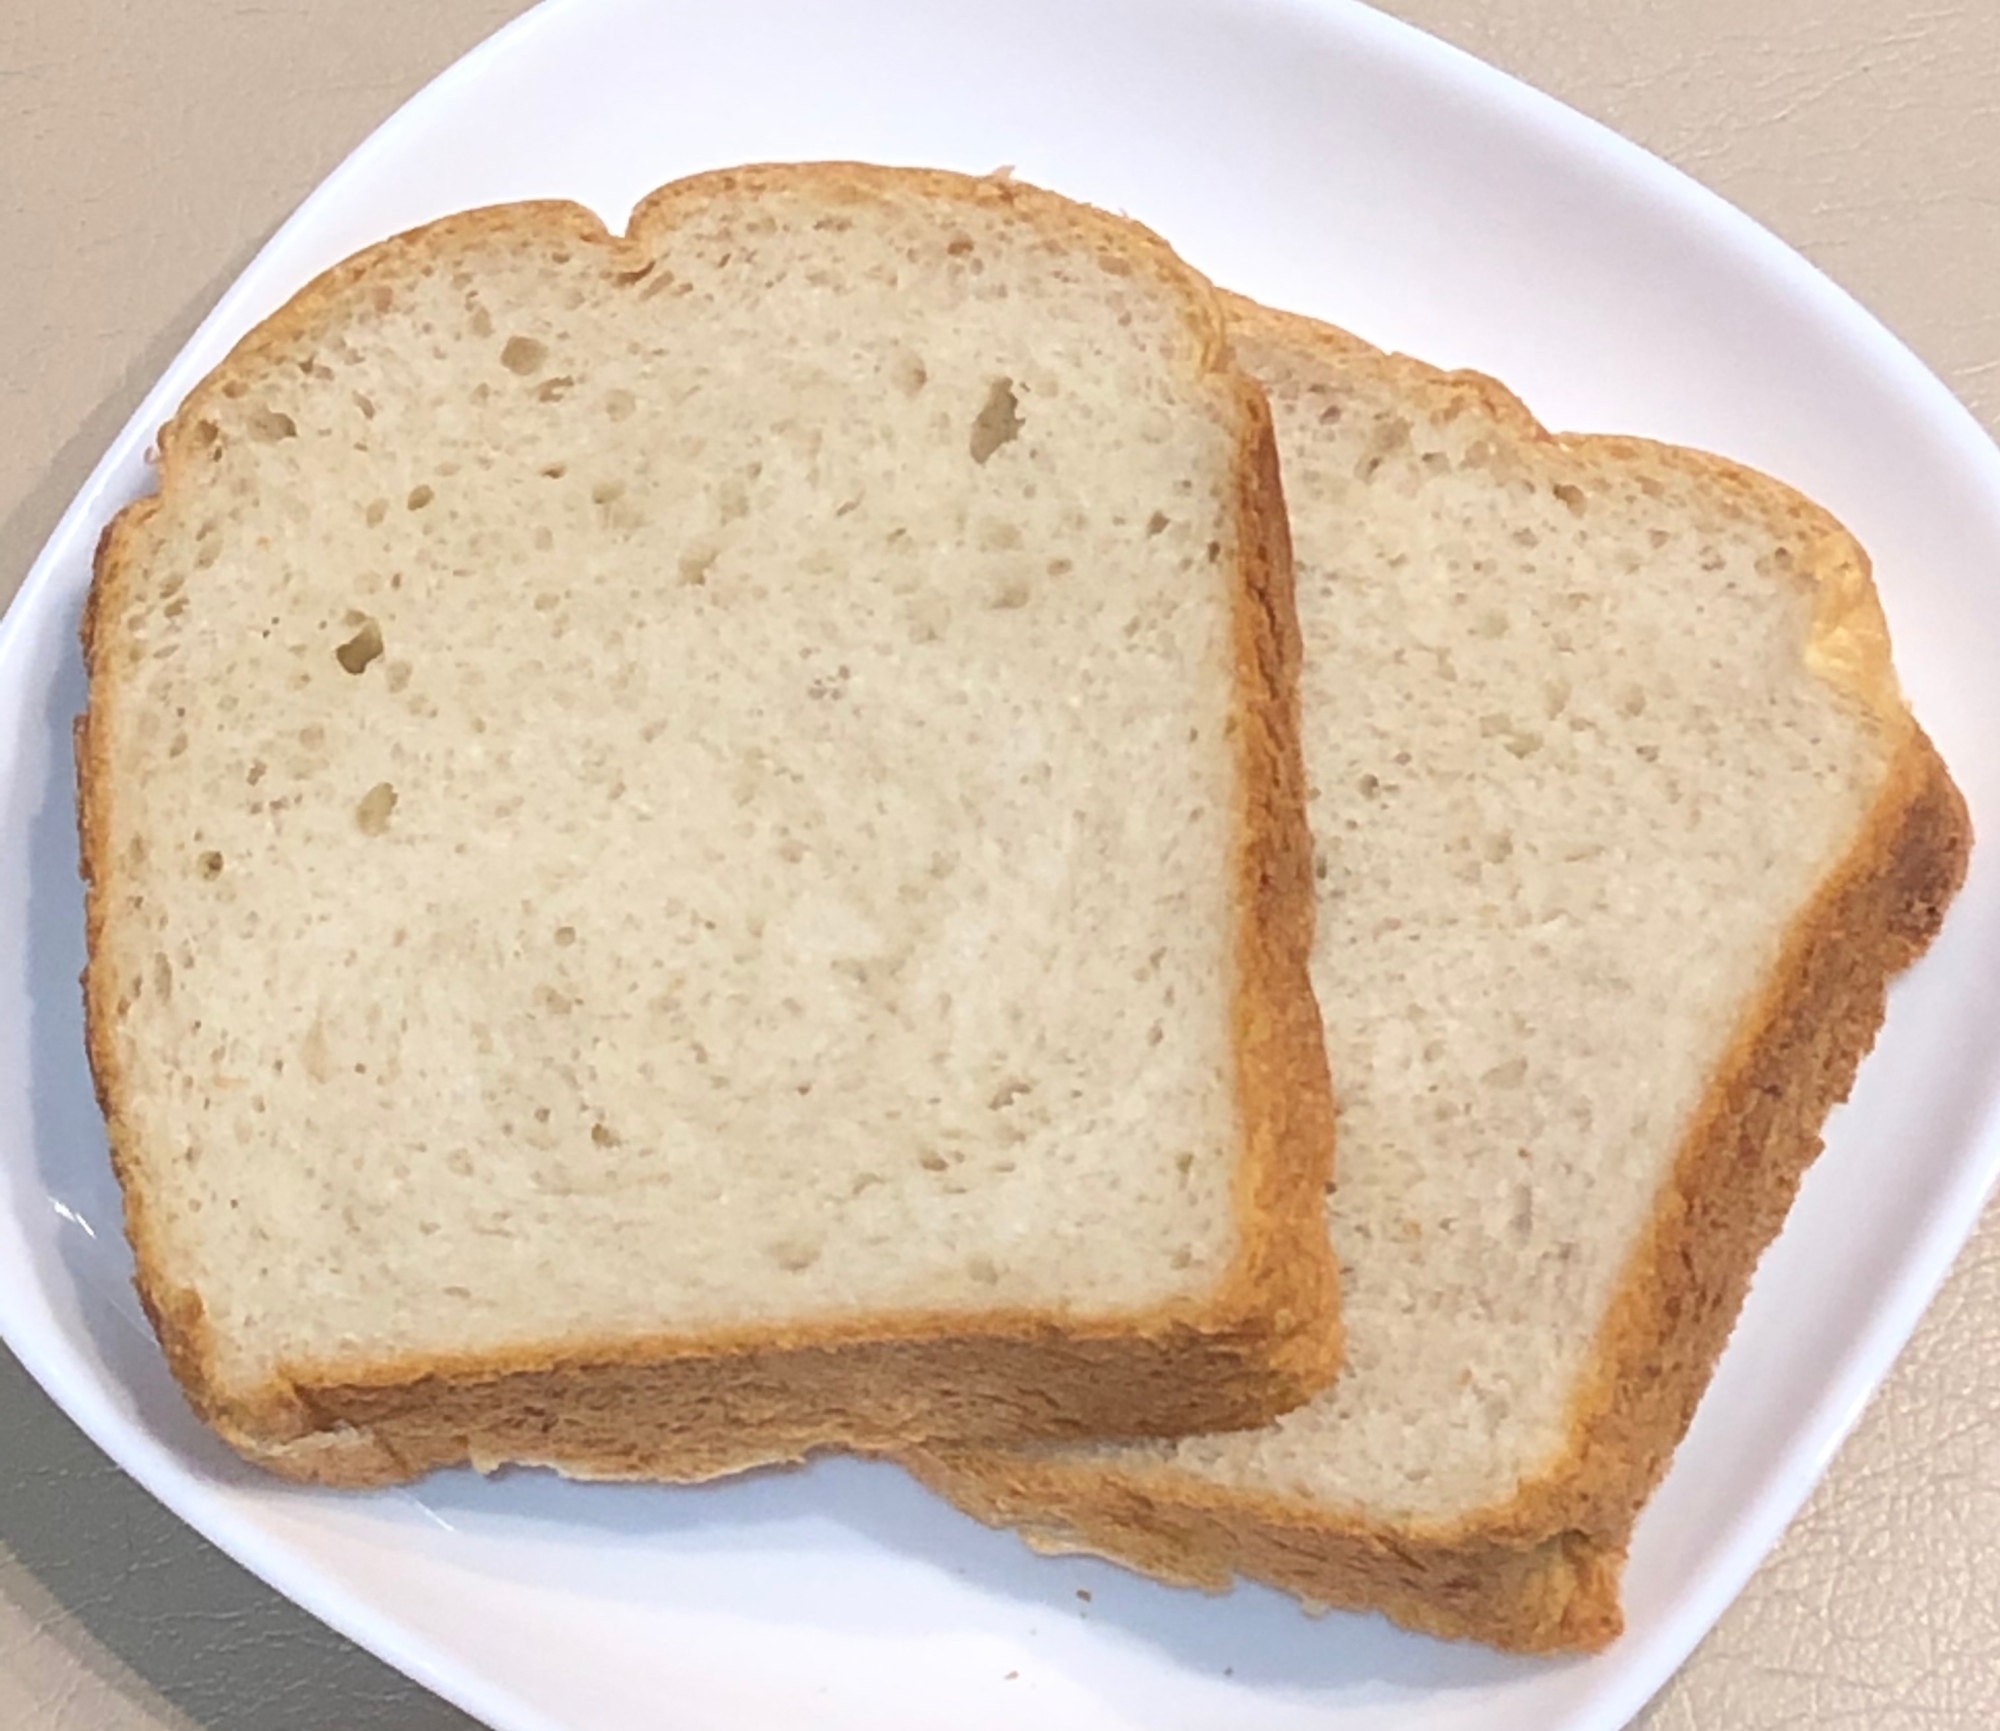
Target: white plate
[1321,157]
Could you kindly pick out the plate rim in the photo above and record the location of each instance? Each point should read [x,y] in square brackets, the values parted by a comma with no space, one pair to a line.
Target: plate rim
[227,1516]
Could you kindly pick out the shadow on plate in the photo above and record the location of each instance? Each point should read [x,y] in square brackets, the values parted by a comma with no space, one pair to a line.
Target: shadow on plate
[841,1505]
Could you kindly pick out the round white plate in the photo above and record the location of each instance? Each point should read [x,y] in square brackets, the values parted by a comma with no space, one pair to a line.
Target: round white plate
[1318,156]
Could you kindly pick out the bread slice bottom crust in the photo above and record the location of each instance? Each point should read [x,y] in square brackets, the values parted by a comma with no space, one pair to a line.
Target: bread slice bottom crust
[686,1416]
[1558,1595]
[1539,1573]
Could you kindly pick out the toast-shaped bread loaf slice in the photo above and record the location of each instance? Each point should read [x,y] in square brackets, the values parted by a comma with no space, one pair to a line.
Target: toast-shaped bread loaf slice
[1621,829]
[697,848]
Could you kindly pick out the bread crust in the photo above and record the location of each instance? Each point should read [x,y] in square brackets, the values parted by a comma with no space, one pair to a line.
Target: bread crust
[1539,1572]
[689,1407]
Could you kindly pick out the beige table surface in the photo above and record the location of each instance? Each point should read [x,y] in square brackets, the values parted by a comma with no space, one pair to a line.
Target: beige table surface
[147,148]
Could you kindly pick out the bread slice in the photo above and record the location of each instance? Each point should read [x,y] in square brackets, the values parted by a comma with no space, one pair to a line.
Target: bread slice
[697,848]
[1621,830]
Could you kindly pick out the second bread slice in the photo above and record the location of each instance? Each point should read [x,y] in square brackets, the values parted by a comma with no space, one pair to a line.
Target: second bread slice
[697,846]
[1622,828]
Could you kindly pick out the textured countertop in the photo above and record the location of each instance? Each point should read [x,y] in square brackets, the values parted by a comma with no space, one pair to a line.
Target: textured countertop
[146,151]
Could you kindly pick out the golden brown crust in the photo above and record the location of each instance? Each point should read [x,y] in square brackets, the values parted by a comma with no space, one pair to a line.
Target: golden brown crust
[1283,1083]
[1262,1341]
[1540,1571]
[1753,1138]
[702,1408]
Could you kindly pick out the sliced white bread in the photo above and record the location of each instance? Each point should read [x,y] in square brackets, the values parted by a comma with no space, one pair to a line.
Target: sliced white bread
[1621,830]
[697,848]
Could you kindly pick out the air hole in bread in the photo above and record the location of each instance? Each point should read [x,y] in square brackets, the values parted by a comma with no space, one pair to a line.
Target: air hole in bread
[998,421]
[363,648]
[793,1255]
[268,426]
[372,811]
[696,563]
[419,497]
[523,355]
